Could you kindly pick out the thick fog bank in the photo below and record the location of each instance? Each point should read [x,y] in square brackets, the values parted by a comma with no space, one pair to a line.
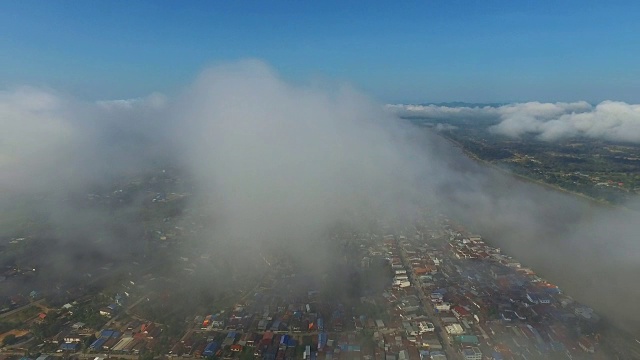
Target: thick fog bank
[277,166]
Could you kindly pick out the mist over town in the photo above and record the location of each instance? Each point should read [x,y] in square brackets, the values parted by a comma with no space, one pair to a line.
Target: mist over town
[244,181]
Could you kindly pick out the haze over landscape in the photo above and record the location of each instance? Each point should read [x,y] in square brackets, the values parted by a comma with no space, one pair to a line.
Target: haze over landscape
[143,136]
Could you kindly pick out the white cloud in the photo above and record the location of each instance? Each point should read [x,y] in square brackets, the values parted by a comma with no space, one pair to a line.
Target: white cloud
[276,164]
[442,112]
[49,140]
[155,100]
[609,120]
[33,125]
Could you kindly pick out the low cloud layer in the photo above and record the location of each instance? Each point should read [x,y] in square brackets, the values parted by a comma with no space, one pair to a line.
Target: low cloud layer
[50,140]
[609,120]
[277,165]
[444,112]
[286,162]
[272,164]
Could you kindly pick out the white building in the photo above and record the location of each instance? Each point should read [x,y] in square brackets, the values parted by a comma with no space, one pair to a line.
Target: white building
[72,338]
[454,329]
[425,327]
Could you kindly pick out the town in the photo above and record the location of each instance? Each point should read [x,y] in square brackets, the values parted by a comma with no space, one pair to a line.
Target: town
[430,291]
[319,180]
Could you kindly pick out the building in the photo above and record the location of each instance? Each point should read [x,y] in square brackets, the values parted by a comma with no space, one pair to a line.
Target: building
[467,339]
[72,347]
[426,327]
[210,349]
[472,353]
[109,310]
[460,312]
[586,345]
[533,298]
[72,338]
[410,329]
[584,311]
[432,344]
[454,329]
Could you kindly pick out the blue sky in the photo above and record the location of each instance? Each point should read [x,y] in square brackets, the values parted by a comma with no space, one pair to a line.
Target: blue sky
[400,51]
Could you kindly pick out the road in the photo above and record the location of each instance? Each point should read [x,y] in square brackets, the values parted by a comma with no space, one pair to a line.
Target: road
[426,303]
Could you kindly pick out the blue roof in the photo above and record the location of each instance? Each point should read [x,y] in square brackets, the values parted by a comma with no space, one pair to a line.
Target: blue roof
[98,343]
[69,346]
[210,349]
[106,333]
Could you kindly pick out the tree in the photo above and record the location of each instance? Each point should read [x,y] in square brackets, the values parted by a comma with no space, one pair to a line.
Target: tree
[148,355]
[9,340]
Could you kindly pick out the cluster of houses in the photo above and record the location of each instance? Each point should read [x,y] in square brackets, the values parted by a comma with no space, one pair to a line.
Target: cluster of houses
[133,338]
[409,333]
[487,302]
[449,293]
[487,305]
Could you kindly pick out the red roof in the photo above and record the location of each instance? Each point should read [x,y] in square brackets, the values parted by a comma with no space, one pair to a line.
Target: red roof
[460,310]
